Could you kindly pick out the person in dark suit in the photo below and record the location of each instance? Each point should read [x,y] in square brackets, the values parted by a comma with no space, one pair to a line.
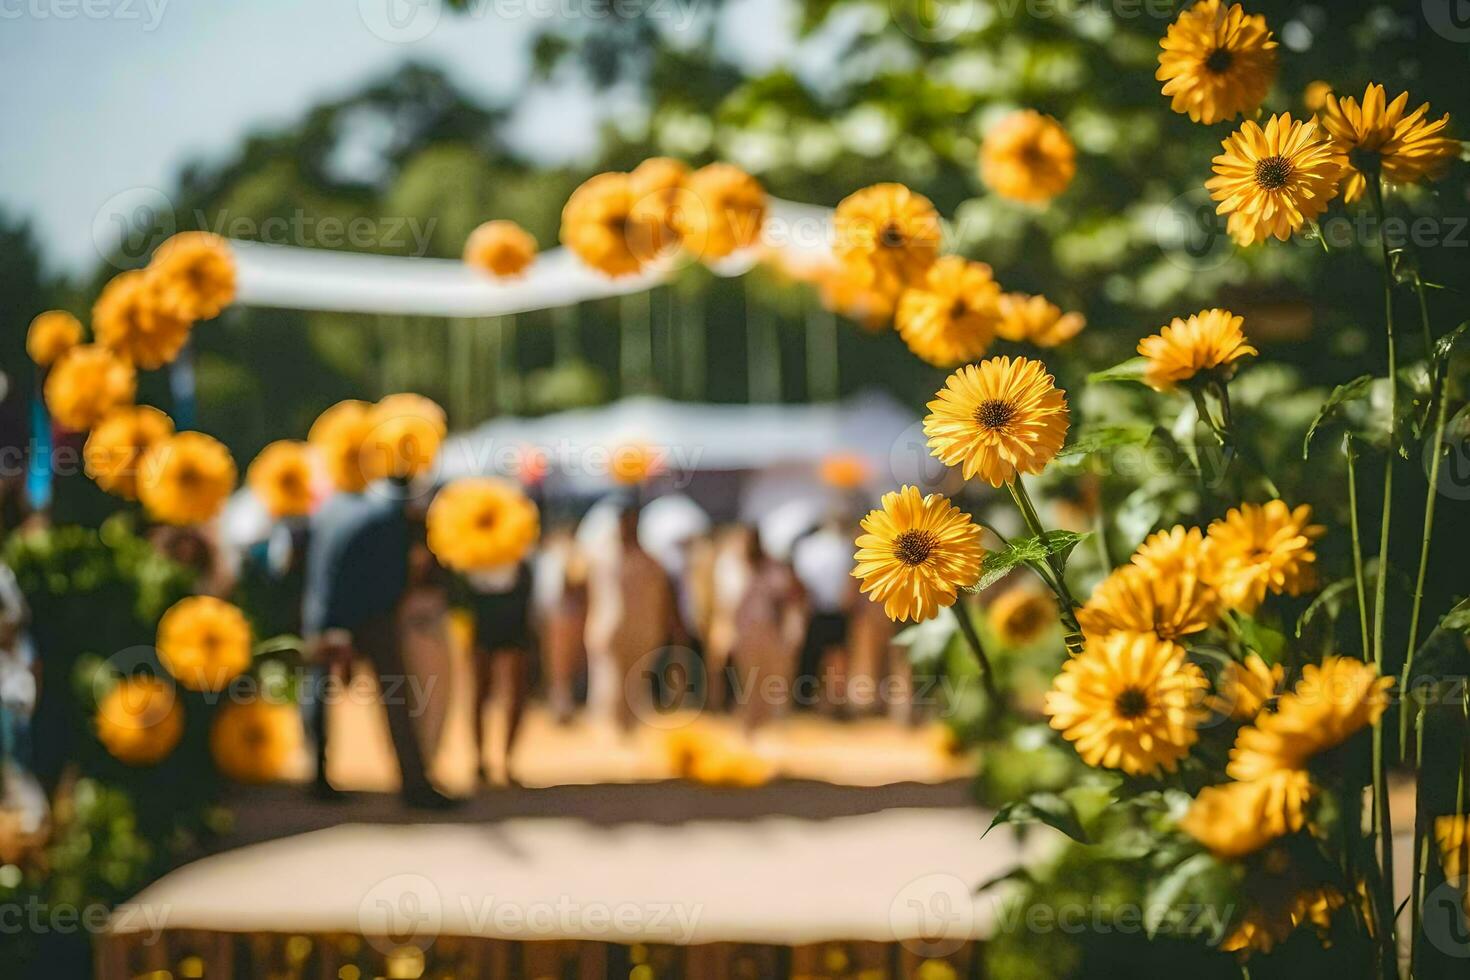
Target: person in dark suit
[357,568]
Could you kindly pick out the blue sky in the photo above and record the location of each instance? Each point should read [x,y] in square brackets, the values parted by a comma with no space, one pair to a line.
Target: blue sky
[99,98]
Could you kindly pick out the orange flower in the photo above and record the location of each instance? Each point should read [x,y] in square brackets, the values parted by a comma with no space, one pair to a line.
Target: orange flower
[130,317]
[115,449]
[204,642]
[724,212]
[403,437]
[886,236]
[1028,157]
[86,384]
[281,478]
[595,225]
[52,334]
[1217,61]
[950,316]
[480,523]
[996,419]
[186,478]
[633,463]
[1036,320]
[1273,180]
[195,271]
[255,741]
[337,436]
[501,248]
[657,186]
[140,721]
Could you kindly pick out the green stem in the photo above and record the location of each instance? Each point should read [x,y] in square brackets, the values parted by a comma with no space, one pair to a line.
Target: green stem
[1066,604]
[1382,817]
[987,672]
[1359,577]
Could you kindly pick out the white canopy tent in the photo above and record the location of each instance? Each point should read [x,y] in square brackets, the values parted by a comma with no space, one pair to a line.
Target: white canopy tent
[291,277]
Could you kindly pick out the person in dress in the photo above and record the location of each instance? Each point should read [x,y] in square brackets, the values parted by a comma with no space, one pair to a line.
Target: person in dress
[730,574]
[559,610]
[770,625]
[501,604]
[630,610]
[822,561]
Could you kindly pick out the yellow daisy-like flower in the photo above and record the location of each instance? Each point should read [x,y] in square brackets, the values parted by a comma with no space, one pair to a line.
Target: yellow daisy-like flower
[1216,62]
[1261,548]
[632,463]
[1022,615]
[204,642]
[723,210]
[1237,819]
[657,186]
[1268,924]
[114,451]
[596,222]
[403,437]
[52,334]
[130,317]
[1452,835]
[1246,688]
[1209,342]
[1378,136]
[997,419]
[255,741]
[1272,181]
[1131,600]
[140,721]
[1328,705]
[482,522]
[916,553]
[1314,96]
[950,316]
[1036,320]
[281,478]
[887,236]
[195,272]
[1178,551]
[86,385]
[1129,702]
[842,291]
[186,478]
[337,436]
[1028,157]
[500,248]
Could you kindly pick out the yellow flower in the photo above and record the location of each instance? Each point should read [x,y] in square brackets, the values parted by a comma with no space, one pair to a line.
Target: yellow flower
[1272,181]
[916,553]
[1129,702]
[1261,548]
[114,451]
[281,478]
[723,211]
[1132,600]
[1266,925]
[204,642]
[998,418]
[1237,819]
[1177,551]
[86,384]
[886,237]
[403,437]
[950,316]
[1036,320]
[1028,157]
[704,755]
[1452,834]
[632,463]
[1377,135]
[140,721]
[1216,62]
[481,522]
[186,478]
[195,271]
[1328,705]
[1246,688]
[500,248]
[52,334]
[255,741]
[845,471]
[843,292]
[130,317]
[1022,615]
[658,191]
[1210,341]
[337,436]
[595,225]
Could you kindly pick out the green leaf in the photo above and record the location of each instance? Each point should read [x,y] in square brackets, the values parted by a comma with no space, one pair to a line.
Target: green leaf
[997,564]
[1445,346]
[1129,370]
[1330,602]
[1262,639]
[1443,652]
[1050,809]
[1341,395]
[1175,900]
[1109,437]
[927,641]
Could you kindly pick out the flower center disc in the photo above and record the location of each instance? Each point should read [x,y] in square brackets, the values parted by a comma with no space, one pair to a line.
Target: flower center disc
[1131,703]
[994,413]
[890,237]
[1219,61]
[1272,173]
[914,547]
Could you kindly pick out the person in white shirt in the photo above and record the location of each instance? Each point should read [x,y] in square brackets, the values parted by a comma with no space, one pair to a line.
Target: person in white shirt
[822,561]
